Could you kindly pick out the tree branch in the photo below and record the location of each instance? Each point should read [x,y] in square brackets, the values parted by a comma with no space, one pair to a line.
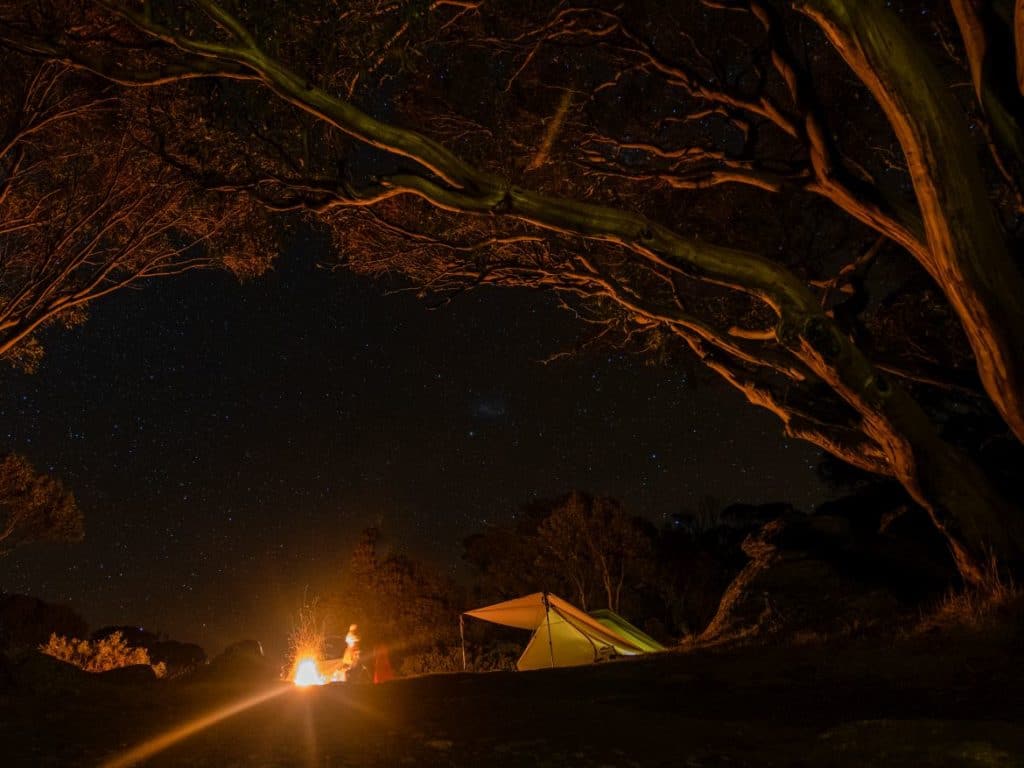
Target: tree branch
[967,255]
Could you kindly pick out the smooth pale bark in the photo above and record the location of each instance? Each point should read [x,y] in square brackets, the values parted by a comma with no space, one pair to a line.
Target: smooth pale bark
[967,254]
[942,479]
[988,42]
[1018,42]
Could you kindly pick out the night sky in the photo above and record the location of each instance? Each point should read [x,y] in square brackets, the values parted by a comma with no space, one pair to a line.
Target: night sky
[227,442]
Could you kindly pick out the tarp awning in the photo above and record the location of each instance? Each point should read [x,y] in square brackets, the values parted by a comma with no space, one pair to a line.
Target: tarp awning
[563,635]
[523,612]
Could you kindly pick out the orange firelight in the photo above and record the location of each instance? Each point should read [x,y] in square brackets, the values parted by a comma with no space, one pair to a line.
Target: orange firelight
[308,673]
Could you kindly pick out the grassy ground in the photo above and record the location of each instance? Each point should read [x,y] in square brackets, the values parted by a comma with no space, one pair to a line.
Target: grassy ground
[938,699]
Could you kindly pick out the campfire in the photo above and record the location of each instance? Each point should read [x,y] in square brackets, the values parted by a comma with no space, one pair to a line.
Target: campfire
[307,672]
[309,650]
[310,670]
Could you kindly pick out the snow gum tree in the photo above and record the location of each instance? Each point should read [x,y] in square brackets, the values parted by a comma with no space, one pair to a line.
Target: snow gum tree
[794,192]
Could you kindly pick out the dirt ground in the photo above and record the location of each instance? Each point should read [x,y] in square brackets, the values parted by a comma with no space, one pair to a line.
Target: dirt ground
[928,701]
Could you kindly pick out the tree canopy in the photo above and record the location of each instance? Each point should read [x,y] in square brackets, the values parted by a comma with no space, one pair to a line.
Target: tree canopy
[587,548]
[86,211]
[35,506]
[395,599]
[792,191]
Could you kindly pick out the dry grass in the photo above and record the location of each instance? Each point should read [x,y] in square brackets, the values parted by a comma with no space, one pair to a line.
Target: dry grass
[976,606]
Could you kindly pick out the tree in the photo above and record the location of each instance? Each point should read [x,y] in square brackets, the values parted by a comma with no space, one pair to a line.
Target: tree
[498,555]
[564,536]
[85,211]
[624,160]
[586,548]
[596,545]
[394,598]
[34,506]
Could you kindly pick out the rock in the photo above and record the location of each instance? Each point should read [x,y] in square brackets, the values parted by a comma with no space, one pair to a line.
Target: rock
[828,574]
[135,674]
[249,648]
[243,660]
[38,672]
[914,554]
[180,658]
[753,516]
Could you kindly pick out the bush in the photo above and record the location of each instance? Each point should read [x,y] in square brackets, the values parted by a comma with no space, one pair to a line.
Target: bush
[111,652]
[449,659]
[434,660]
[179,658]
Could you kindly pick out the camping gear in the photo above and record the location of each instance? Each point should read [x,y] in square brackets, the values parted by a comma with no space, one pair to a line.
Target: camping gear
[563,635]
[382,671]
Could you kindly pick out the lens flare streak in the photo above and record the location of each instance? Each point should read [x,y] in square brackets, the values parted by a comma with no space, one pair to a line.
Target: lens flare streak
[159,743]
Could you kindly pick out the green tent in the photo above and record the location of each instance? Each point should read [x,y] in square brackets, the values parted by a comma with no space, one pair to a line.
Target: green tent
[616,623]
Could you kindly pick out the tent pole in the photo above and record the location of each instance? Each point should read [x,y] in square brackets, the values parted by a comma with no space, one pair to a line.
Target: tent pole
[462,636]
[547,618]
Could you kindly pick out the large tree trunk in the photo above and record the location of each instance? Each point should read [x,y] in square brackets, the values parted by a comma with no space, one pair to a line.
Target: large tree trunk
[967,254]
[1018,42]
[977,522]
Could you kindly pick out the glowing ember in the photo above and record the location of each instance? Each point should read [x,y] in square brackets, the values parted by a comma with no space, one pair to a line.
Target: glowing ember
[307,673]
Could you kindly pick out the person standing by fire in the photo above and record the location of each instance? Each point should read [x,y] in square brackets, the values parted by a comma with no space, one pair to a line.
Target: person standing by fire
[350,660]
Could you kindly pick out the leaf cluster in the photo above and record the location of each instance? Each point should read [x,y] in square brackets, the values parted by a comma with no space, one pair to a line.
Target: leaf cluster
[35,506]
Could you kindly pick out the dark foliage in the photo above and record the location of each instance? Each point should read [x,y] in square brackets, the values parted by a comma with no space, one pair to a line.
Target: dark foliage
[179,658]
[397,601]
[28,621]
[35,506]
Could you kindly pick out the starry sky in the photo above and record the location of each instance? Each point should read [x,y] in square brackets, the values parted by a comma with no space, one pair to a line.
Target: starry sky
[227,442]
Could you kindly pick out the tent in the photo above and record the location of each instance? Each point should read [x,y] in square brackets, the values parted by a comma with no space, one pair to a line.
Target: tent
[563,635]
[613,621]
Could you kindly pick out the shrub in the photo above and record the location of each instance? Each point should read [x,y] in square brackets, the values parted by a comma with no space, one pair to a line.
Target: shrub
[972,606]
[449,659]
[434,660]
[111,652]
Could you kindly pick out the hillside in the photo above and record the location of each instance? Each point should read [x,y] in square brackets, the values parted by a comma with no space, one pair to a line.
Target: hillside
[939,699]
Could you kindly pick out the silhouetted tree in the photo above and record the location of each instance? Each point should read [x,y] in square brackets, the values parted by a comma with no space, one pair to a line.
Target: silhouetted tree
[394,598]
[565,543]
[597,545]
[587,549]
[499,555]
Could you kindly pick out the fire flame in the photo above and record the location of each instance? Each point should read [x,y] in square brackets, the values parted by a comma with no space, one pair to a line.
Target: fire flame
[308,673]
